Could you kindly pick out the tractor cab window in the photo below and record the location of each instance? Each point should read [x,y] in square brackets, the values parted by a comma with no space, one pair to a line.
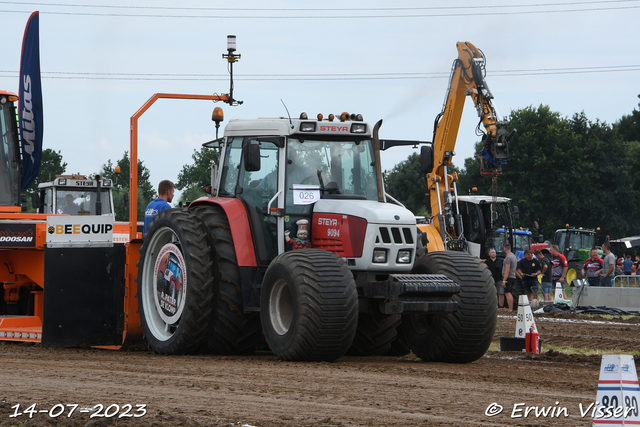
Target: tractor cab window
[497,242]
[559,238]
[339,169]
[231,167]
[81,202]
[264,180]
[575,241]
[522,242]
[8,156]
[579,240]
[47,200]
[472,222]
[235,180]
[588,241]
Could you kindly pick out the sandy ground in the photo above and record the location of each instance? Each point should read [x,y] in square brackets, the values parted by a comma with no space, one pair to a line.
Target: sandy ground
[260,390]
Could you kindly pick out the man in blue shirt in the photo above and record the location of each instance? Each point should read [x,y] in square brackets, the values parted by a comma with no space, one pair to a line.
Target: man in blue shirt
[166,190]
[627,264]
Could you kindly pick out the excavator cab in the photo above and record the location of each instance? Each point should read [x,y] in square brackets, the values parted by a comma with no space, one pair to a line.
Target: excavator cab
[10,151]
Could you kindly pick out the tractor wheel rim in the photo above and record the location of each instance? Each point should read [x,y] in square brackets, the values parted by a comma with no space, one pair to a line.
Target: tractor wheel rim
[281,307]
[160,325]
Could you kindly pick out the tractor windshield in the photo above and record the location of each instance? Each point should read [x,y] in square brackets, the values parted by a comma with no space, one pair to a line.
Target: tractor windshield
[81,202]
[571,242]
[9,179]
[340,169]
[522,242]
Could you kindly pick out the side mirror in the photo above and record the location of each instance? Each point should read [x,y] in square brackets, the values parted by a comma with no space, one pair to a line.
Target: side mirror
[23,202]
[251,154]
[426,159]
[35,202]
[516,213]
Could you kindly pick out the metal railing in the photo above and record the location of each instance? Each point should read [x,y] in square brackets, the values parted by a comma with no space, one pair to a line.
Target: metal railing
[625,281]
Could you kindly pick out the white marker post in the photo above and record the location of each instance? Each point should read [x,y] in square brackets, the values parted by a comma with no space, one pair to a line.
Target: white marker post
[618,392]
[525,317]
[558,294]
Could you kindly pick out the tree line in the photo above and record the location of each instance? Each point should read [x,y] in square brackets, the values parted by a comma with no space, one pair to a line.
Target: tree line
[560,171]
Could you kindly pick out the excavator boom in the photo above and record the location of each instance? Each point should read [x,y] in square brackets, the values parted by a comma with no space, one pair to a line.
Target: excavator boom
[467,79]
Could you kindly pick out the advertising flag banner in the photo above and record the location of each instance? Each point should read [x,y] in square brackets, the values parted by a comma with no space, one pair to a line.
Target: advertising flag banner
[30,104]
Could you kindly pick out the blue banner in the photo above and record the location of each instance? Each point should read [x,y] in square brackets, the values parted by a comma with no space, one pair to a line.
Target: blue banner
[30,105]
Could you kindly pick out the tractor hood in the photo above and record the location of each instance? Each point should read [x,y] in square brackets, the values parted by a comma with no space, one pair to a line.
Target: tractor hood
[373,211]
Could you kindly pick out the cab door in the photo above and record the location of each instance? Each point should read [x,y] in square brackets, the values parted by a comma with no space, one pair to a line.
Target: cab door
[254,180]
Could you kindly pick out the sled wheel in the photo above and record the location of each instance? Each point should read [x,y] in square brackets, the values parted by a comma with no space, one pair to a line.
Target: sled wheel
[462,336]
[174,284]
[309,305]
[231,330]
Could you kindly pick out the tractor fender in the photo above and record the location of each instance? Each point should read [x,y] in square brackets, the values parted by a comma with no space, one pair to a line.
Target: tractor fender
[239,225]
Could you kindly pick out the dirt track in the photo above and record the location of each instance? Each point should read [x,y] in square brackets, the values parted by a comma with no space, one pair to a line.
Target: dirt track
[260,390]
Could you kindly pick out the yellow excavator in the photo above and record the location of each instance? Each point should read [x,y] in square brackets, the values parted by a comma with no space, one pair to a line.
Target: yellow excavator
[465,334]
[445,229]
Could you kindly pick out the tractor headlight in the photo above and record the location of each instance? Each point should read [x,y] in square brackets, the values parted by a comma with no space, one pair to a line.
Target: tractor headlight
[307,127]
[380,256]
[404,257]
[358,128]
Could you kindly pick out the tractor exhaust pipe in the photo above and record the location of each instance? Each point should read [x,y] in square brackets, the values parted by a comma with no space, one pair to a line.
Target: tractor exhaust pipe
[376,156]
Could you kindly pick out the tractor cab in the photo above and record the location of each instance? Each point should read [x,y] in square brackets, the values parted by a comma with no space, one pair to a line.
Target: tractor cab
[313,183]
[576,243]
[522,241]
[76,195]
[10,151]
[479,215]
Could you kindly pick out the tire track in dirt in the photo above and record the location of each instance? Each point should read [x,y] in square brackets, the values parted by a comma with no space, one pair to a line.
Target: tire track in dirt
[259,390]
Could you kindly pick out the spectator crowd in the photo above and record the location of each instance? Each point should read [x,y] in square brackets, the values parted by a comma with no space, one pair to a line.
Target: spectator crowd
[543,270]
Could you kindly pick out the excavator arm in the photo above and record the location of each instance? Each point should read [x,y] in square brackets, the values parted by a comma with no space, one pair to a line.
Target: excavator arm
[467,79]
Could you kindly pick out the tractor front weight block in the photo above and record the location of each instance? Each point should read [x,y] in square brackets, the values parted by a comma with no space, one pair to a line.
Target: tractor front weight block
[413,293]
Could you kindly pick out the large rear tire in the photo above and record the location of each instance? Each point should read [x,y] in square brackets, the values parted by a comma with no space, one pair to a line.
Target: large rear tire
[174,284]
[309,306]
[462,336]
[375,333]
[231,330]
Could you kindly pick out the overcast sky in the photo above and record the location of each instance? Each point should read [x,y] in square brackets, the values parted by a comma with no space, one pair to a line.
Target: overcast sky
[101,60]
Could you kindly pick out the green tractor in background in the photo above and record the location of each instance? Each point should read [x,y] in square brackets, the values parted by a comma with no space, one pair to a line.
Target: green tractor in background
[576,244]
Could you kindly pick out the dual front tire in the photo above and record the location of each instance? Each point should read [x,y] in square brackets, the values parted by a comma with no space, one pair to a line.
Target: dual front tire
[309,306]
[464,335]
